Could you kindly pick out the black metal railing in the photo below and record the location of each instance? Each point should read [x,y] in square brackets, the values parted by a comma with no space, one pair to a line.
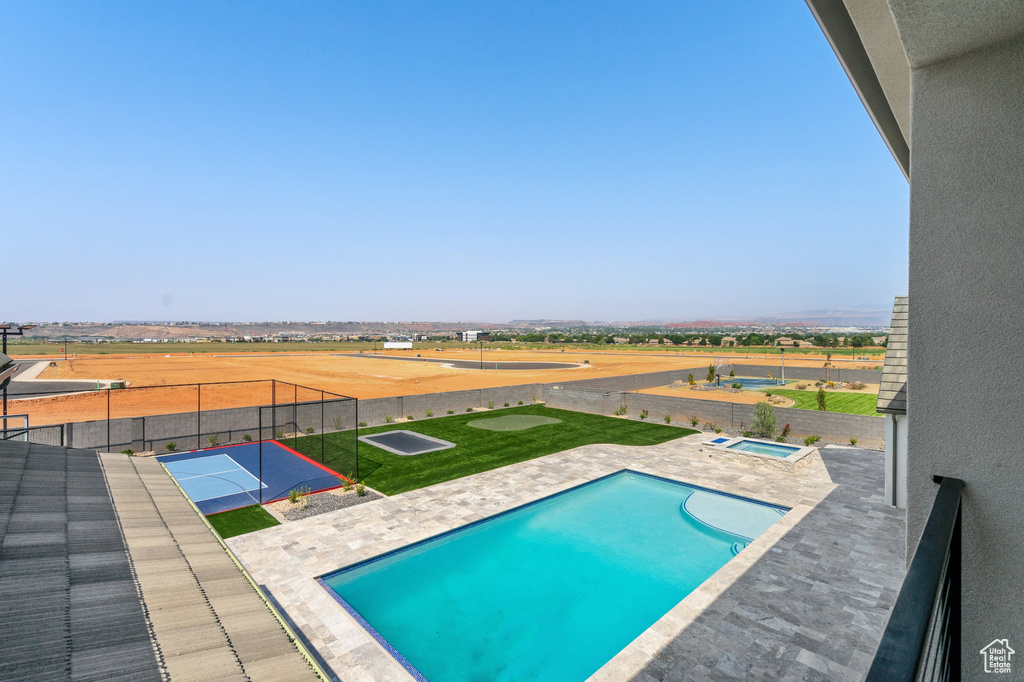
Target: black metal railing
[52,434]
[922,638]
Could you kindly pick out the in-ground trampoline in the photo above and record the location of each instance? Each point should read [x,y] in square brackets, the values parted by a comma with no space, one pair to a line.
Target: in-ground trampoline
[406,443]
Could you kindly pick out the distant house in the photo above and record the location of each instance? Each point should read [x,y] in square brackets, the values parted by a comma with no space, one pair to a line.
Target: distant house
[892,402]
[619,339]
[728,340]
[784,341]
[803,344]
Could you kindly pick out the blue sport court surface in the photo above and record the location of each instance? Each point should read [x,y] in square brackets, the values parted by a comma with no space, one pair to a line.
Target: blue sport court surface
[233,476]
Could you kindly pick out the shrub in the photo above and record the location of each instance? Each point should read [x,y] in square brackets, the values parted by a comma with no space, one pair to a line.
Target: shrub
[309,430]
[247,438]
[785,431]
[129,451]
[520,402]
[747,434]
[212,440]
[170,445]
[643,414]
[296,494]
[737,384]
[801,387]
[490,404]
[409,417]
[667,418]
[360,489]
[621,411]
[388,419]
[428,413]
[732,372]
[718,429]
[694,420]
[822,400]
[811,440]
[768,394]
[710,426]
[690,380]
[279,433]
[362,423]
[336,423]
[853,441]
[856,386]
[711,372]
[506,404]
[764,420]
[469,409]
[831,384]
[451,412]
[780,439]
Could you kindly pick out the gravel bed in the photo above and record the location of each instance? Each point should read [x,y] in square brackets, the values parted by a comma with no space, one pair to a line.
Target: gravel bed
[329,501]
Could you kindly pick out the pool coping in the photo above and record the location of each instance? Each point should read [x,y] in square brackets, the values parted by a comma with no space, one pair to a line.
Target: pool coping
[406,663]
[790,463]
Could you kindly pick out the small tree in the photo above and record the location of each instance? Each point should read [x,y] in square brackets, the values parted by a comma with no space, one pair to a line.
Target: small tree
[821,400]
[711,372]
[689,379]
[764,420]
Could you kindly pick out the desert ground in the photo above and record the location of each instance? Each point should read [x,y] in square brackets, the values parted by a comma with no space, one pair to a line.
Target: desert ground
[366,376]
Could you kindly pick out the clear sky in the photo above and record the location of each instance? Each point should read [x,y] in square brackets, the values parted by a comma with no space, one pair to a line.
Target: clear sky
[436,161]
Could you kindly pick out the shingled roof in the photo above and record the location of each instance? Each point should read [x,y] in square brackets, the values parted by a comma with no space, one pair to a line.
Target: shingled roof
[892,393]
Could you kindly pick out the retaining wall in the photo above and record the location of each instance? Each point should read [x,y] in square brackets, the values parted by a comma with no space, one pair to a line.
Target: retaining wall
[831,426]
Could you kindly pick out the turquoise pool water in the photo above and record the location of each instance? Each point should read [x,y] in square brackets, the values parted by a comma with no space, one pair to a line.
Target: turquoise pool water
[772,449]
[551,590]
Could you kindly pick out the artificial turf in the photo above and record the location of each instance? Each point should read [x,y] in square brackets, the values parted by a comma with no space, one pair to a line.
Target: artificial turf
[479,450]
[241,521]
[848,403]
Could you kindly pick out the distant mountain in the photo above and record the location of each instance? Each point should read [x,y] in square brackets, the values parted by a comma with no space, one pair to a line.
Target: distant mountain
[838,317]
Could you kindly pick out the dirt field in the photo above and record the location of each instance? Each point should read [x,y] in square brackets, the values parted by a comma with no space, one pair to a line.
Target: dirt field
[360,377]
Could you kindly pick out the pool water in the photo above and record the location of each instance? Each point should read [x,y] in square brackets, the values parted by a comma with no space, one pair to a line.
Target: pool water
[772,449]
[554,589]
[750,383]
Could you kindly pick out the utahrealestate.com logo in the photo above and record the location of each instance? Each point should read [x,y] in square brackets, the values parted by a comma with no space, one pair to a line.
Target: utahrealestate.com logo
[997,656]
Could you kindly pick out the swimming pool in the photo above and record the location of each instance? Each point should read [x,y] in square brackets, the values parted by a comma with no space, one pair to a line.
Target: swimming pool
[551,590]
[750,383]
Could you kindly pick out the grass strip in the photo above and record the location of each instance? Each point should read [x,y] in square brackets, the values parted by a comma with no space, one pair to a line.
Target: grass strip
[241,521]
[480,450]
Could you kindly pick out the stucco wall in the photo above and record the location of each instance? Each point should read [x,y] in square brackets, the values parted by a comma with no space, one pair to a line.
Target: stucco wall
[965,405]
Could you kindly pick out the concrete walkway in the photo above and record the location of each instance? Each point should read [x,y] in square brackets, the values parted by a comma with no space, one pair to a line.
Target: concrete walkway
[207,620]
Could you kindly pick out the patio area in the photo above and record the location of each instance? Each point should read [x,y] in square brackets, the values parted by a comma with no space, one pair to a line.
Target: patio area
[806,600]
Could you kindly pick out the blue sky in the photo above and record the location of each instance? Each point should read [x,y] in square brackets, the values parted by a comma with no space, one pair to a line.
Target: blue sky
[437,161]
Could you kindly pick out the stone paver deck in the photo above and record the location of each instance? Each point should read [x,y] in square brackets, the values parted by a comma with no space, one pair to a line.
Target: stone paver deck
[207,620]
[807,600]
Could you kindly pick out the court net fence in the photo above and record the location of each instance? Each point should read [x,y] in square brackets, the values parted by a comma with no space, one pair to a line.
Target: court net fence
[319,424]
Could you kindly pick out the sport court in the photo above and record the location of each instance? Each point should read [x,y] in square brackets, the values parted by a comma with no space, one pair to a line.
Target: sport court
[228,477]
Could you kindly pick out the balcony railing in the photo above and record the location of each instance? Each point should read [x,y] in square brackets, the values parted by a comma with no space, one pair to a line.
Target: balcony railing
[922,639]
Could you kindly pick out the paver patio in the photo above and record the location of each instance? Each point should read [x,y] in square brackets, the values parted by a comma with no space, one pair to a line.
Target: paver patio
[806,600]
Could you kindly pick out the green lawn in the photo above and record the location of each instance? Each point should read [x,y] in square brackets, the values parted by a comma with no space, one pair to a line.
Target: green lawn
[481,450]
[241,521]
[849,403]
